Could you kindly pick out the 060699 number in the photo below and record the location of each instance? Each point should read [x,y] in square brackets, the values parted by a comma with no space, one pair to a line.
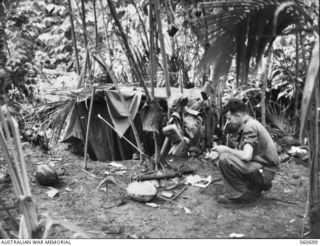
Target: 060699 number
[309,242]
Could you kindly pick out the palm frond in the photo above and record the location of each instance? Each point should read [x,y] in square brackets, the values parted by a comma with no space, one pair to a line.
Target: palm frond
[242,29]
[51,116]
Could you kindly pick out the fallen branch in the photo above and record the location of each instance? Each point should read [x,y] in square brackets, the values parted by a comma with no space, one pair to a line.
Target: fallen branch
[91,174]
[166,199]
[170,174]
[180,192]
[281,200]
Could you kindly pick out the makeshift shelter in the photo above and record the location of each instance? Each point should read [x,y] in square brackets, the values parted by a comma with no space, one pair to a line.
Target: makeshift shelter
[104,143]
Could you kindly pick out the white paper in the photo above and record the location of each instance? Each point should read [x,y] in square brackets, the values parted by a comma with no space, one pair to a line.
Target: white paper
[52,192]
[197,181]
[151,204]
[236,235]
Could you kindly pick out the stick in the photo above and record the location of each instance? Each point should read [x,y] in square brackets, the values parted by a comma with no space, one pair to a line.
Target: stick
[74,41]
[166,199]
[169,175]
[151,49]
[88,127]
[153,70]
[91,174]
[180,192]
[140,151]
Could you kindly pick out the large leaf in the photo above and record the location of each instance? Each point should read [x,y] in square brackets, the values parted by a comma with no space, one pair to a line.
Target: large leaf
[311,79]
[249,26]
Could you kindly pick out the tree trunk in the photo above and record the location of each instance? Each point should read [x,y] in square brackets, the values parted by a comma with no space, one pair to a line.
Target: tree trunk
[296,102]
[3,57]
[106,32]
[84,26]
[314,213]
[303,51]
[95,22]
[74,40]
[264,87]
[163,49]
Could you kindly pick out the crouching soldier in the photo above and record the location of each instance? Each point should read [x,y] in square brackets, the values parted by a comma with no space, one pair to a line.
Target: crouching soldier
[249,169]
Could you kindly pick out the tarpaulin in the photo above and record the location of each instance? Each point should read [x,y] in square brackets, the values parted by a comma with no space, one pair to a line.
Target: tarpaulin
[119,112]
[151,116]
[103,143]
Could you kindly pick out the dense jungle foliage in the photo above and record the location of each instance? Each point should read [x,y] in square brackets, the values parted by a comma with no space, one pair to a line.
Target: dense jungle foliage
[264,51]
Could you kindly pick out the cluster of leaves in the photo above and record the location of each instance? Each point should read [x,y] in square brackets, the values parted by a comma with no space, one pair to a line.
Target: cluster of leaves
[286,81]
[38,37]
[20,53]
[182,50]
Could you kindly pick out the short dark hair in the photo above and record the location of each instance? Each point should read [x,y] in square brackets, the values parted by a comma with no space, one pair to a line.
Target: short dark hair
[236,106]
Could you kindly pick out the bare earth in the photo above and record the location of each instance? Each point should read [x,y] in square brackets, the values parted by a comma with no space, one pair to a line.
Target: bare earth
[110,214]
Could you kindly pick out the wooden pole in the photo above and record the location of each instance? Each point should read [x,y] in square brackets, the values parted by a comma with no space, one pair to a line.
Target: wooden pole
[88,127]
[264,87]
[163,49]
[153,70]
[74,40]
[151,50]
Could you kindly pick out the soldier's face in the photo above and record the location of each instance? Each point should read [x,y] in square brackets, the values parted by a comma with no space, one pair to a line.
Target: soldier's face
[233,121]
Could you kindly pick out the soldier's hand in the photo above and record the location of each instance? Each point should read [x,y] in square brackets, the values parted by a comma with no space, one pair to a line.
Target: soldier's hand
[221,149]
[212,155]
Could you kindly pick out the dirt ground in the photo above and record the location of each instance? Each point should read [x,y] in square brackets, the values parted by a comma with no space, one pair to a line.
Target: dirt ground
[110,214]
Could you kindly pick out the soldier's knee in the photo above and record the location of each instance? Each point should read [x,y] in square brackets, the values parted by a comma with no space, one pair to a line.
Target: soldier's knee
[223,159]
